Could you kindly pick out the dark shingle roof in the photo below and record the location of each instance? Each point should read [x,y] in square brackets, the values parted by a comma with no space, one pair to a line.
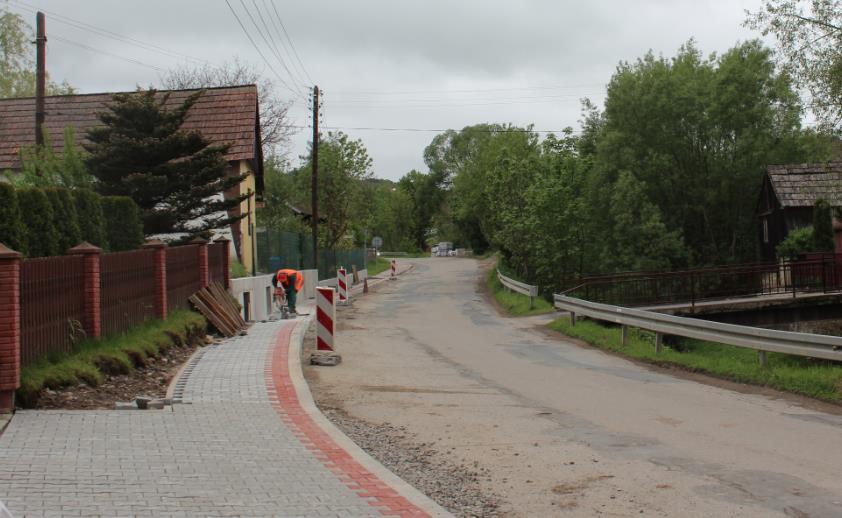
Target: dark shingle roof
[223,115]
[801,185]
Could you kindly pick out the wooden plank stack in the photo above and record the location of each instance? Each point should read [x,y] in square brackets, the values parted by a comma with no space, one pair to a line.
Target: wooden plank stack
[220,308]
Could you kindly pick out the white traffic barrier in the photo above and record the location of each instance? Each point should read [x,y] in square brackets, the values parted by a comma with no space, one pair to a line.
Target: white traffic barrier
[394,270]
[325,318]
[342,283]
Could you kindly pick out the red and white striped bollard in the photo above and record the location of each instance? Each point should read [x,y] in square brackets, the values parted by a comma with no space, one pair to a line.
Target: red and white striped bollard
[342,283]
[325,318]
[394,274]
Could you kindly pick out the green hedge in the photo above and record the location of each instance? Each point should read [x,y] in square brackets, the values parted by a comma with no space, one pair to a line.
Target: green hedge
[42,238]
[123,225]
[65,220]
[11,223]
[91,218]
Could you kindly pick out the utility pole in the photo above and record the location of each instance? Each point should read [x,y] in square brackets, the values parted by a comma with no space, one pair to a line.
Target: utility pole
[314,179]
[40,78]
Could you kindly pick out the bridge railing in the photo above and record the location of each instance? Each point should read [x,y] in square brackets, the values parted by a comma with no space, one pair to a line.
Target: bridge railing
[763,340]
[815,273]
[519,287]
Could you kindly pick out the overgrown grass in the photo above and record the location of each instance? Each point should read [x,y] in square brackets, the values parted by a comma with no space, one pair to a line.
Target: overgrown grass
[380,265]
[515,303]
[91,360]
[815,378]
[238,270]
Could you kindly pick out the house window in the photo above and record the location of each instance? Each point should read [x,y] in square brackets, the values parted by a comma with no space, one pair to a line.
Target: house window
[765,230]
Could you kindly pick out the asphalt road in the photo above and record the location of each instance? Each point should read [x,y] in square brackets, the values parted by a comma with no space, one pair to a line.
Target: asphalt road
[566,429]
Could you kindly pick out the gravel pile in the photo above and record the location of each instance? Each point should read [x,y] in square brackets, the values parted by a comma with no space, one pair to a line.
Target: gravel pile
[454,487]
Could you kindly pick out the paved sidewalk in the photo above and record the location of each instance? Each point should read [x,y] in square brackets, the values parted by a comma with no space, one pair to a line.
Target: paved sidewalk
[239,445]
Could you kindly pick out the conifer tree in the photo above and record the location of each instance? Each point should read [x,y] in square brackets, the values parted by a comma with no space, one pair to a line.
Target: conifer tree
[41,236]
[11,223]
[175,176]
[65,220]
[91,218]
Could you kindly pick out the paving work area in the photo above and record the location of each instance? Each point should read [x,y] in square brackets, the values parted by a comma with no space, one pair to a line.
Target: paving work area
[240,444]
[559,429]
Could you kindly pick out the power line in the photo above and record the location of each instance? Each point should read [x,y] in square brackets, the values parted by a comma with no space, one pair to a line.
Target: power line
[243,27]
[273,46]
[472,90]
[434,130]
[106,33]
[99,51]
[291,44]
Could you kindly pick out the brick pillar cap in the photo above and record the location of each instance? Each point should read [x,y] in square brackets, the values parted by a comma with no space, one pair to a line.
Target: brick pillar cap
[198,240]
[8,253]
[85,248]
[153,243]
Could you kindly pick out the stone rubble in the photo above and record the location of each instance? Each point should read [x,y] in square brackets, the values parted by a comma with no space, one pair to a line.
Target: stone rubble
[455,487]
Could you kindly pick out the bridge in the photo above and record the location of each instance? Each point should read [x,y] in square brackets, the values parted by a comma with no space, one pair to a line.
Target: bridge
[759,294]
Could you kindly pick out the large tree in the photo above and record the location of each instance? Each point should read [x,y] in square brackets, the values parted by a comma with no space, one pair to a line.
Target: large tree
[275,127]
[17,59]
[344,165]
[809,35]
[176,177]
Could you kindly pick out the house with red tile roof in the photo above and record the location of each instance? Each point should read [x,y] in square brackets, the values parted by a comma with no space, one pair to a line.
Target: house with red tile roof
[225,115]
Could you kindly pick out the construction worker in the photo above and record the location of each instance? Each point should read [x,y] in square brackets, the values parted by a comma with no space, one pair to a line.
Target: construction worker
[291,281]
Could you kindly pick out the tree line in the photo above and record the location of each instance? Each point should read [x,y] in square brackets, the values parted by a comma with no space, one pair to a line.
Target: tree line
[666,176]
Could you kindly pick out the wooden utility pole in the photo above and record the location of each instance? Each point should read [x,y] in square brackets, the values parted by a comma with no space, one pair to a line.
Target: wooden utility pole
[314,179]
[40,77]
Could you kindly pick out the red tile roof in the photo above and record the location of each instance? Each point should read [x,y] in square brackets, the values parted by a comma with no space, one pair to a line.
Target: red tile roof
[223,115]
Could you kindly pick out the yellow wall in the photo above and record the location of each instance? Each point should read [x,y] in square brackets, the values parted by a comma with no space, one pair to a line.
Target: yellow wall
[248,244]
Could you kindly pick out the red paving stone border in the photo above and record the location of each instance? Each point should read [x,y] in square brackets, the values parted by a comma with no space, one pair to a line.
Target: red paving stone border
[350,472]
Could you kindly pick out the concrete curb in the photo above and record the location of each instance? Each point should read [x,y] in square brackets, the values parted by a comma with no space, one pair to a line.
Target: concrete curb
[306,401]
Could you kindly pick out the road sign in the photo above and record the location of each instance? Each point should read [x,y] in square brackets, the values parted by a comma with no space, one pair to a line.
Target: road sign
[377,242]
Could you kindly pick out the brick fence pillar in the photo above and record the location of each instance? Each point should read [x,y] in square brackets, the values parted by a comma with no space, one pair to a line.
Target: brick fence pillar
[202,249]
[226,261]
[160,280]
[92,320]
[9,327]
[837,234]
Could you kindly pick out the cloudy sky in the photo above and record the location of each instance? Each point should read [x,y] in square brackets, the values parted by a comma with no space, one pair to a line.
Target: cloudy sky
[403,65]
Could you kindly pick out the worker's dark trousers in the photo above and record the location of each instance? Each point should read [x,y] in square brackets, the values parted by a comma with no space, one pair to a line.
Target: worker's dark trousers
[291,293]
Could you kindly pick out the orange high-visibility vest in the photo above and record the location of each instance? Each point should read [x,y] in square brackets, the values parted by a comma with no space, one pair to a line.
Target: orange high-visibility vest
[299,278]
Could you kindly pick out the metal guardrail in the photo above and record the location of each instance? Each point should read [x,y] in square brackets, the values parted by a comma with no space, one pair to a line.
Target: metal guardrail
[800,344]
[520,287]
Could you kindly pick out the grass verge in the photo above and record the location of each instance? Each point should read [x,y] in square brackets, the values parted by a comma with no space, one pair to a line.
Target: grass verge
[514,303]
[380,265]
[819,379]
[92,360]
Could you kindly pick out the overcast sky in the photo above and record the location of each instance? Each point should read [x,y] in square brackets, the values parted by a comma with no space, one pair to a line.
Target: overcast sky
[429,64]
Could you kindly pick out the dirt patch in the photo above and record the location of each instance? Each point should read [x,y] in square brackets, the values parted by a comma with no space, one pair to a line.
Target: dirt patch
[152,380]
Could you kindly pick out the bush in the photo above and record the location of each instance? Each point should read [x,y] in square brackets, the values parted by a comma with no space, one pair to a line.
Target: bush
[64,218]
[797,242]
[123,226]
[11,223]
[91,219]
[37,214]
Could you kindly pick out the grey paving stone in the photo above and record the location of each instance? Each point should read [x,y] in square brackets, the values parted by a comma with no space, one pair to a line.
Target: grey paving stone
[226,454]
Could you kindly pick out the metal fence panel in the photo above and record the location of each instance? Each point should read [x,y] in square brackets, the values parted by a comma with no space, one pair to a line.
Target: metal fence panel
[51,305]
[183,278]
[128,296]
[216,262]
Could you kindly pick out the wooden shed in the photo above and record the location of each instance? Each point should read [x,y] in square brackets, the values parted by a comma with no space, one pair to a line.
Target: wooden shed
[787,197]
